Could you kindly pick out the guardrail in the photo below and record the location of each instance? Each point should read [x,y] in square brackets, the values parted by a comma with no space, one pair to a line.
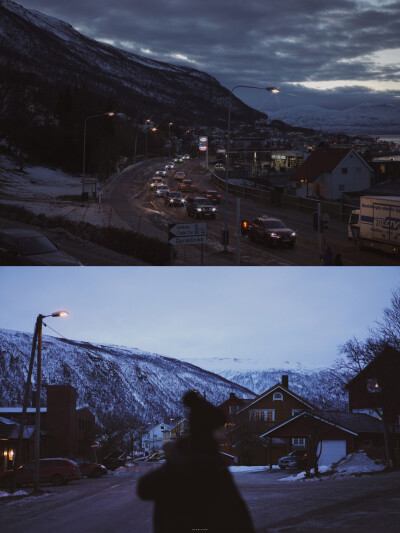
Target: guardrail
[335,210]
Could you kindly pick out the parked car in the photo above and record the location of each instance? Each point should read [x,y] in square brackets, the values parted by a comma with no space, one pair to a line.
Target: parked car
[156,180]
[187,185]
[89,469]
[213,196]
[179,176]
[57,471]
[271,231]
[161,172]
[174,198]
[29,247]
[295,459]
[200,207]
[161,190]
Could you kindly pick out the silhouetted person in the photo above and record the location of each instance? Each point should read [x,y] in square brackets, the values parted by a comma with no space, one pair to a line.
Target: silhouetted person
[338,260]
[194,490]
[328,257]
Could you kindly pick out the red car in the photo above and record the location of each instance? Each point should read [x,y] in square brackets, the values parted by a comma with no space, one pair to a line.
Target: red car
[57,471]
[269,230]
[90,469]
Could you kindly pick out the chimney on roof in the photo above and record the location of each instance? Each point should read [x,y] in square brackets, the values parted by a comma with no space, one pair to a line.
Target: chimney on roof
[285,381]
[232,395]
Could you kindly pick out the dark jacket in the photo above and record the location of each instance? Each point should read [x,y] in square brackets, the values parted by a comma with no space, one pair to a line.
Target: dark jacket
[194,491]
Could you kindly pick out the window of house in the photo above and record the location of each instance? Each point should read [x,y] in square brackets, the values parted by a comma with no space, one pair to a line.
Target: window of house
[296,412]
[262,415]
[291,162]
[233,409]
[162,427]
[277,396]
[344,170]
[341,188]
[299,441]
[373,385]
[367,444]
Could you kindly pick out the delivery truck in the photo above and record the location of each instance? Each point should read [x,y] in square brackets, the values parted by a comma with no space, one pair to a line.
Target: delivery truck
[378,222]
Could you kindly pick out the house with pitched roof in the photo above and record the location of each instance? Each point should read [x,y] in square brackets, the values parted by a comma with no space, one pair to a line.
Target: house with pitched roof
[328,173]
[264,412]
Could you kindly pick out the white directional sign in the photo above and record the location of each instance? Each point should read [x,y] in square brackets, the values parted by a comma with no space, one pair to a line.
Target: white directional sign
[193,239]
[187,233]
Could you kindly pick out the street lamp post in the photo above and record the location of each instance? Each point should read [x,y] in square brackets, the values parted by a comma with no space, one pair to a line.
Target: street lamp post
[146,126]
[169,136]
[38,331]
[273,90]
[111,114]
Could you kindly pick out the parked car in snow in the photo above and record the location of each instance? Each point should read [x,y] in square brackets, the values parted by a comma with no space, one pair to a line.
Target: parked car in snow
[295,459]
[29,247]
[55,470]
[89,469]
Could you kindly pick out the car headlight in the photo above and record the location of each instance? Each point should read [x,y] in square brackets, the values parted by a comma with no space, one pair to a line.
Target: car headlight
[275,236]
[293,234]
[214,209]
[199,209]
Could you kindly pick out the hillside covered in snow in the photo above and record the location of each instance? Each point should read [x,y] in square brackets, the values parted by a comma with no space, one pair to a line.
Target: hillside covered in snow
[113,381]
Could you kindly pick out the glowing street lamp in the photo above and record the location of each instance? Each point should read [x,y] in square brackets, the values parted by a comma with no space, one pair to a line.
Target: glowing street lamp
[274,90]
[38,334]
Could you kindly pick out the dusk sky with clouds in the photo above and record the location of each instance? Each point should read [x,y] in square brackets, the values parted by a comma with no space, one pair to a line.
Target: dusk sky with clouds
[334,54]
[271,314]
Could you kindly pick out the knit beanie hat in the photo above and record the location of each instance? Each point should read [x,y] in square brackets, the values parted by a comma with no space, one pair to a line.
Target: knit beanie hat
[203,417]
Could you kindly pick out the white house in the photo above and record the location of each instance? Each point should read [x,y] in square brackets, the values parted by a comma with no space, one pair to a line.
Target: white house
[328,173]
[152,439]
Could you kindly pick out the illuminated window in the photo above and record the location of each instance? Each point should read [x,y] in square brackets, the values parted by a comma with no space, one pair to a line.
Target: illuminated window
[373,385]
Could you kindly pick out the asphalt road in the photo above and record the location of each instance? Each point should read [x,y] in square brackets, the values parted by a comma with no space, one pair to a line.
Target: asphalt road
[129,197]
[367,504]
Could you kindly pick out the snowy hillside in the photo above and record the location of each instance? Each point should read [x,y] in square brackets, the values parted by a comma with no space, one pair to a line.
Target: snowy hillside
[111,380]
[49,52]
[315,384]
[365,118]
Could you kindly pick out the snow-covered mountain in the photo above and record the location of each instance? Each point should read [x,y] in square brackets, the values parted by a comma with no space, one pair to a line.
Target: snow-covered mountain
[111,380]
[316,384]
[370,119]
[47,54]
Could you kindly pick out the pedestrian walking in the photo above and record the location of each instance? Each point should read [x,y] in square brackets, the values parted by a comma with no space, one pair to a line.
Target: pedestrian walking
[193,490]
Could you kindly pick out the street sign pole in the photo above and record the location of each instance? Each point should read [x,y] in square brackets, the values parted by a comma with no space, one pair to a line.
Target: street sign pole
[319,232]
[238,232]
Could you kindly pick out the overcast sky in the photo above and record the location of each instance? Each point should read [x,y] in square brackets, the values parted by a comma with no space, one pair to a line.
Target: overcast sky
[335,54]
[270,314]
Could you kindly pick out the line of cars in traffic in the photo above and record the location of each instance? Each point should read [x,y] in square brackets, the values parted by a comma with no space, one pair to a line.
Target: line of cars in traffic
[55,470]
[202,205]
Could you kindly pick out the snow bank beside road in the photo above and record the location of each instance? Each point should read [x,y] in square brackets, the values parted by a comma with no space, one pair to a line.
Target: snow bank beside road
[352,464]
[9,494]
[247,469]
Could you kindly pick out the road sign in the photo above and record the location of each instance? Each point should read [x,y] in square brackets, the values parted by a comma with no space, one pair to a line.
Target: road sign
[186,230]
[193,239]
[179,234]
[203,144]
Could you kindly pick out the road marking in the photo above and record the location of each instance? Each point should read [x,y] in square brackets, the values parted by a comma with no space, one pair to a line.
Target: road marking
[113,487]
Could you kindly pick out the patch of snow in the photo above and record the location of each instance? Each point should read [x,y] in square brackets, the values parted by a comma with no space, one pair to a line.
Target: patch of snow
[235,469]
[300,475]
[11,494]
[357,463]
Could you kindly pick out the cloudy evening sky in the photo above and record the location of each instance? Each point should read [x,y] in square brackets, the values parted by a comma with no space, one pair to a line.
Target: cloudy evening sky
[264,314]
[335,54]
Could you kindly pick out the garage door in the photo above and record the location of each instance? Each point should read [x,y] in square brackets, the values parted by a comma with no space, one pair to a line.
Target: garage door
[332,451]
